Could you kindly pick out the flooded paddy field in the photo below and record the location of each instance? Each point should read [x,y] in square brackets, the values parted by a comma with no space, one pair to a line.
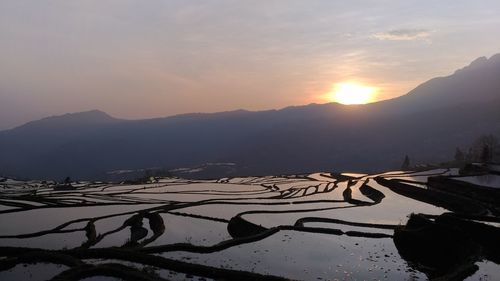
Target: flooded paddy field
[322,226]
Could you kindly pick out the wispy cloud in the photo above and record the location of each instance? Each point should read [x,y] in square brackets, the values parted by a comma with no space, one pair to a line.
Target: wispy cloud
[404,35]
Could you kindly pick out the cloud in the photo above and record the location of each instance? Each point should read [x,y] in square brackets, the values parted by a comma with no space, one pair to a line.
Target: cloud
[403,35]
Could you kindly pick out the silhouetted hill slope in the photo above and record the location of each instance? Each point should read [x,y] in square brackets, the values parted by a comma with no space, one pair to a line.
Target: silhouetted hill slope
[66,123]
[479,80]
[427,124]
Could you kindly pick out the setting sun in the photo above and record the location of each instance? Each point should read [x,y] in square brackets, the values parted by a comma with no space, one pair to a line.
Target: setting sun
[352,93]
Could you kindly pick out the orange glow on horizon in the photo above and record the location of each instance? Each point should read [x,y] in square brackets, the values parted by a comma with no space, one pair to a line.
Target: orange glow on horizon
[352,93]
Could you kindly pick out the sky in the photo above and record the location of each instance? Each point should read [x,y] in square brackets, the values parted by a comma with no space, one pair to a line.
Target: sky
[143,59]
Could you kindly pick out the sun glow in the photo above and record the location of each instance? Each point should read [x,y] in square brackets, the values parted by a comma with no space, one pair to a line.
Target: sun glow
[352,93]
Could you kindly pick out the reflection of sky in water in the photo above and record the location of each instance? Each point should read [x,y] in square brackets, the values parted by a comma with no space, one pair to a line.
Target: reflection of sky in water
[311,256]
[33,272]
[484,180]
[346,228]
[487,271]
[393,209]
[163,273]
[196,231]
[43,219]
[56,241]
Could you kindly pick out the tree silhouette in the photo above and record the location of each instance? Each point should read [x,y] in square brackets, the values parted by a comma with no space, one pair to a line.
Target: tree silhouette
[406,164]
[459,155]
[469,157]
[486,154]
[484,148]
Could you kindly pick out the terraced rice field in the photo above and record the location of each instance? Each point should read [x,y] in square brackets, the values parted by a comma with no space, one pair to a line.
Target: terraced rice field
[320,226]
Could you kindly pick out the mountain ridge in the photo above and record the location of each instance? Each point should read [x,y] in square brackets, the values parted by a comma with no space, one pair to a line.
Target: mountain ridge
[428,123]
[481,62]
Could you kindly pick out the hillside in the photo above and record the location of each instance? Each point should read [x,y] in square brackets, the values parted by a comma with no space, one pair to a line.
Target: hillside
[427,124]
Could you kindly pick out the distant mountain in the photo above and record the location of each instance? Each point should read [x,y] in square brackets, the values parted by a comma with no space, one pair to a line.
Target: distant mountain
[426,124]
[66,122]
[479,81]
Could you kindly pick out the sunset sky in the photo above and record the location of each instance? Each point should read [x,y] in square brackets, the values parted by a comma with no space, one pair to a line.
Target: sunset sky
[141,59]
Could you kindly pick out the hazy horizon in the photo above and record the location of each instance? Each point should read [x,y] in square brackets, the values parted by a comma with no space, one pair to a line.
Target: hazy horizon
[138,61]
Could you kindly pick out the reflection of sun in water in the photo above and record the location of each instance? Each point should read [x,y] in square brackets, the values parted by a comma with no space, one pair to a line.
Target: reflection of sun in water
[352,93]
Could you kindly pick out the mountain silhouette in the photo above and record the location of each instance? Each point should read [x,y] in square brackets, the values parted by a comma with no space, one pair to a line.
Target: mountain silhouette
[69,120]
[427,124]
